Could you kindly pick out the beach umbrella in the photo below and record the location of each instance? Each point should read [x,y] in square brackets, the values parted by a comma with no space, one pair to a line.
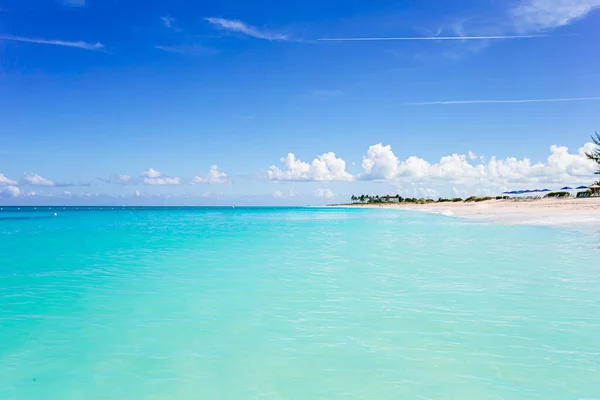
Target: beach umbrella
[582,187]
[566,188]
[545,190]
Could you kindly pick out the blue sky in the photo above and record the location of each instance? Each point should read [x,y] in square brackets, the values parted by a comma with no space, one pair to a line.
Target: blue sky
[134,102]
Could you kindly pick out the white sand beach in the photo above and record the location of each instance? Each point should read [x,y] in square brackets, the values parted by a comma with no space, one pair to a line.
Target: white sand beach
[569,211]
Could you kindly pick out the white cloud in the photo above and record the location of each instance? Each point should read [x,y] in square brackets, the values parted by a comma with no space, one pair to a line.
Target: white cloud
[214,177]
[78,45]
[427,193]
[10,191]
[561,166]
[380,163]
[241,27]
[535,15]
[36,180]
[5,181]
[327,193]
[277,193]
[123,179]
[326,167]
[154,177]
[138,193]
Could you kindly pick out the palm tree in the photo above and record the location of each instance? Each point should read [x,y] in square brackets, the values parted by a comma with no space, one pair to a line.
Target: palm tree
[595,155]
[353,198]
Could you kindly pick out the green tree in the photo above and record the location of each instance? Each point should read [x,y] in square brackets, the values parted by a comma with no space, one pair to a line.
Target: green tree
[595,155]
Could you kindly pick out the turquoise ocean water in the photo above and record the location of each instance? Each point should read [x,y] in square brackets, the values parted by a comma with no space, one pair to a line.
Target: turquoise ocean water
[276,303]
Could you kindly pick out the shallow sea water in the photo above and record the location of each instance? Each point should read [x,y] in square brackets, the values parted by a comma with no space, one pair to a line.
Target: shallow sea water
[294,303]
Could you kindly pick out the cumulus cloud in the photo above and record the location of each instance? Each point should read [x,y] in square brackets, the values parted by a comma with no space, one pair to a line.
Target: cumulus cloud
[380,163]
[326,167]
[327,193]
[245,29]
[427,193]
[213,177]
[154,177]
[10,191]
[533,15]
[561,166]
[6,181]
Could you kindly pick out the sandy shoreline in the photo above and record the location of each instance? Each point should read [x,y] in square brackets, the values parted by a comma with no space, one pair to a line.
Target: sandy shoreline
[566,212]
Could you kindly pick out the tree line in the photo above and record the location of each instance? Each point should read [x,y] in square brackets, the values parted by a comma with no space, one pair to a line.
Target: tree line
[370,199]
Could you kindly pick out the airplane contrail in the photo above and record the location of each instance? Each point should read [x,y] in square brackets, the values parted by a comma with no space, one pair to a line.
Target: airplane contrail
[367,39]
[432,103]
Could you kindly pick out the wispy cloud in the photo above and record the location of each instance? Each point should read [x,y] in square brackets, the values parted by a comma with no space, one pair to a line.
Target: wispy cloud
[433,103]
[535,15]
[78,45]
[121,179]
[369,39]
[241,27]
[167,21]
[37,180]
[74,3]
[188,49]
[4,180]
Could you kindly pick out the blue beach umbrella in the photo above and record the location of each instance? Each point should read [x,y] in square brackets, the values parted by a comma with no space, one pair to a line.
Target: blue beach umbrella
[582,187]
[545,190]
[566,188]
